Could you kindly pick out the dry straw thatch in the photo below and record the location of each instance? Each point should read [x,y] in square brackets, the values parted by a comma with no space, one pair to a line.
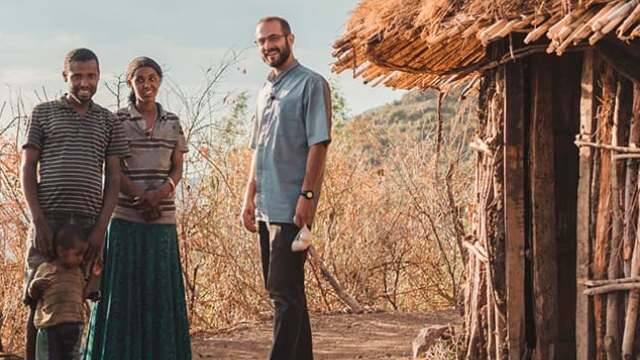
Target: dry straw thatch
[420,44]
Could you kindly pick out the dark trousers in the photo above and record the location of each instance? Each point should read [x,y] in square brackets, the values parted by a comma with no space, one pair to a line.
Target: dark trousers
[59,342]
[30,334]
[283,272]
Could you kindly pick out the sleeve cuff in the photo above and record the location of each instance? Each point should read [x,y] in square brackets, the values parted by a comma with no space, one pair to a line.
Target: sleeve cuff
[318,140]
[31,146]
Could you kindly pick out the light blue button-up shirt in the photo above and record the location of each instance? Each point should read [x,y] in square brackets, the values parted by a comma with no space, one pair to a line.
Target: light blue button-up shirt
[293,113]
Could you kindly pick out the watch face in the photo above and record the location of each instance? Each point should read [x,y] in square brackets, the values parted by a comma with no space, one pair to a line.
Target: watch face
[309,195]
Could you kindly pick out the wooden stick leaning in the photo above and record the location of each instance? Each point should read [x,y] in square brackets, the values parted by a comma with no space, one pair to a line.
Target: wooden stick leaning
[340,291]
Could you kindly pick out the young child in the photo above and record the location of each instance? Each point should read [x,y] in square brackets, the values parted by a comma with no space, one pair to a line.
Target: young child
[58,286]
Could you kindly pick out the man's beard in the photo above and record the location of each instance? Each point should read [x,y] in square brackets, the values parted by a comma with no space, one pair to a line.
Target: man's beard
[283,55]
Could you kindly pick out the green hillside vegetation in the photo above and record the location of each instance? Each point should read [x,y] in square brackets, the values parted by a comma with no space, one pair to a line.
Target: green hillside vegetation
[411,119]
[413,108]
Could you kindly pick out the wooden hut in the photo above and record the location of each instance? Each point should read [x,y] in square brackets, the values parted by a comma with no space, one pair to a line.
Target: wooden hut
[554,261]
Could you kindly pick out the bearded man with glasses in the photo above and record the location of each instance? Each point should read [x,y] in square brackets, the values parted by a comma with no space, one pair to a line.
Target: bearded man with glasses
[290,138]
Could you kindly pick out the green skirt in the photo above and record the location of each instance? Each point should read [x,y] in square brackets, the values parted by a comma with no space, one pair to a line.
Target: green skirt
[142,314]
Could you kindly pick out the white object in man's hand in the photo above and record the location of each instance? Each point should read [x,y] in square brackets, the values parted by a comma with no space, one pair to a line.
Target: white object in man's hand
[302,240]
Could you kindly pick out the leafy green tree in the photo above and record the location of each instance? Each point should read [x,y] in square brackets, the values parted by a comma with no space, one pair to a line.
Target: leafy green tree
[339,106]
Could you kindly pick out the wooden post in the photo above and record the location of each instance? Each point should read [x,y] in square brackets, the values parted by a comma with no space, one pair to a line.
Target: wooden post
[1,323]
[514,184]
[630,193]
[543,208]
[496,230]
[567,73]
[631,316]
[584,320]
[474,295]
[621,116]
[475,348]
[491,318]
[603,216]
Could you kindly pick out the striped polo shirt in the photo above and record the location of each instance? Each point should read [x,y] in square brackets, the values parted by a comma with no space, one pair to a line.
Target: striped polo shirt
[150,162]
[73,149]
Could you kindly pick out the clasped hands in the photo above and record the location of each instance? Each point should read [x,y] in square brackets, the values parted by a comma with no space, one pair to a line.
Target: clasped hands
[148,203]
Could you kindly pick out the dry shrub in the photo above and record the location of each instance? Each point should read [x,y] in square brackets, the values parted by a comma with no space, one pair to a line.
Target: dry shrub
[443,350]
[390,224]
[13,232]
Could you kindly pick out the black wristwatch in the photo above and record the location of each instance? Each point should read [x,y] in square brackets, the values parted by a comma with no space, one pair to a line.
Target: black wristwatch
[307,194]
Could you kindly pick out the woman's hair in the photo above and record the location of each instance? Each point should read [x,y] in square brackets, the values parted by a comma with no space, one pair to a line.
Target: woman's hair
[137,63]
[69,236]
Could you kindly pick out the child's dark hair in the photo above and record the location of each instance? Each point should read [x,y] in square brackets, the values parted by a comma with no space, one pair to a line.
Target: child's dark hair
[69,235]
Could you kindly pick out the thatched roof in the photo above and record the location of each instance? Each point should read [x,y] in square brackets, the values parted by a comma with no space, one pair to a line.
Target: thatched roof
[410,44]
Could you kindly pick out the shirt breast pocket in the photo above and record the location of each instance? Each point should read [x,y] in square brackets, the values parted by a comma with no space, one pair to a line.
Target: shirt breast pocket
[290,112]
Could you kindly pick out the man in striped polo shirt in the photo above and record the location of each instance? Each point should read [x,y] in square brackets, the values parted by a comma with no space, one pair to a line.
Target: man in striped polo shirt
[72,145]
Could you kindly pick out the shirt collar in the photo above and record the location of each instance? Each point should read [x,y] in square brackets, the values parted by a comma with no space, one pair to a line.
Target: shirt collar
[64,101]
[162,114]
[274,79]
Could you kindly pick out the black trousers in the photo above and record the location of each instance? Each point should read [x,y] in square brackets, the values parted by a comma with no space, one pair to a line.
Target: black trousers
[59,342]
[283,272]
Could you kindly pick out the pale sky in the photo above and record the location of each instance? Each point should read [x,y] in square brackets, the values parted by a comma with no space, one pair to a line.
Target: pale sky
[184,36]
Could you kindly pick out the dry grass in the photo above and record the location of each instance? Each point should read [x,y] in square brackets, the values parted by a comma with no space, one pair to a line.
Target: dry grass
[13,231]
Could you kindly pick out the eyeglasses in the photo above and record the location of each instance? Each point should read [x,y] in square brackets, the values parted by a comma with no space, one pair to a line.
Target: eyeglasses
[270,38]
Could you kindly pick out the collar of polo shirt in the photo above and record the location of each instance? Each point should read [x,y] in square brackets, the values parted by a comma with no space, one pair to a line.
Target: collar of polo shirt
[275,78]
[135,114]
[65,102]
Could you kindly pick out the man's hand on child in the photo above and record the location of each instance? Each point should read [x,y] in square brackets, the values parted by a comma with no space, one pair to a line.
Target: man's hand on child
[96,270]
[44,236]
[38,287]
[43,284]
[96,241]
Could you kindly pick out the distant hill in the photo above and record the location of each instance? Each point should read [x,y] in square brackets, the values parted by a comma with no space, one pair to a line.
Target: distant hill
[413,107]
[410,120]
[413,114]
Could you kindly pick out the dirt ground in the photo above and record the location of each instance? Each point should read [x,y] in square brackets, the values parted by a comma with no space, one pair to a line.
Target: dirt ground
[367,336]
